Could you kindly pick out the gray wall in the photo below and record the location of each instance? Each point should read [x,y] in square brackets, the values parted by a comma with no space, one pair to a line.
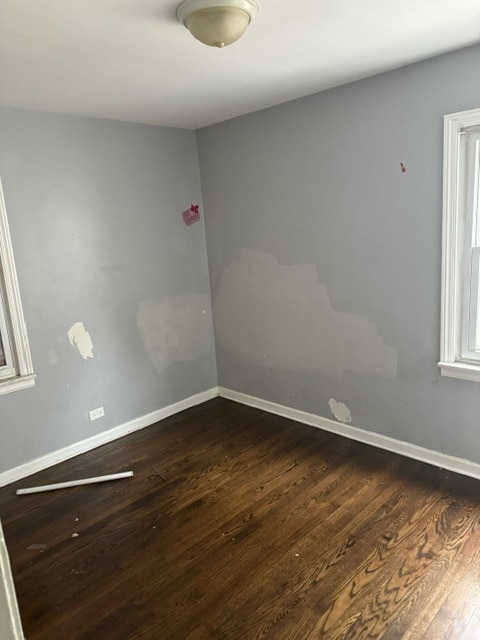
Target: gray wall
[324,261]
[325,257]
[95,213]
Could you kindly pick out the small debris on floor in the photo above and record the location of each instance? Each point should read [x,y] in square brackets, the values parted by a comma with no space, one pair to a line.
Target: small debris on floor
[37,547]
[75,535]
[296,555]
[76,519]
[161,473]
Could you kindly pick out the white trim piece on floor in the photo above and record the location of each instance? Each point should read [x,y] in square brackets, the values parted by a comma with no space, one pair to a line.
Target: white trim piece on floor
[28,468]
[10,623]
[435,458]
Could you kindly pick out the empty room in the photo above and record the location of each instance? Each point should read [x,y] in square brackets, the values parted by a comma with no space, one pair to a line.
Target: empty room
[239,320]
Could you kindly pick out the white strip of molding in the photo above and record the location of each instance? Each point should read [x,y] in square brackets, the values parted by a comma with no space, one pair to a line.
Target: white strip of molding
[442,460]
[26,469]
[10,624]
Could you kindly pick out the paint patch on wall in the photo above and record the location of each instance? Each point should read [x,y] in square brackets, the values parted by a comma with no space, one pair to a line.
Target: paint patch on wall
[340,410]
[280,316]
[80,338]
[191,215]
[52,357]
[175,329]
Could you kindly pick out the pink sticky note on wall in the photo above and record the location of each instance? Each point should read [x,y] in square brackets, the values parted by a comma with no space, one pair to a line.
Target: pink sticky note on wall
[191,215]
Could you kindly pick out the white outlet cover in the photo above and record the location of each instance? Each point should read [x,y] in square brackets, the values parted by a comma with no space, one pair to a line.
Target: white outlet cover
[96,413]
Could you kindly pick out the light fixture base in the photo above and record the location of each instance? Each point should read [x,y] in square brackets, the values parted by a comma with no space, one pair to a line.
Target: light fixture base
[217,23]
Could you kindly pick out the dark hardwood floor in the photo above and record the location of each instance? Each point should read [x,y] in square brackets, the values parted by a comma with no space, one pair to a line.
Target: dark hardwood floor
[263,528]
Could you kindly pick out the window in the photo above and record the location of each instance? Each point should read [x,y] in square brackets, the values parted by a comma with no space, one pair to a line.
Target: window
[460,340]
[16,370]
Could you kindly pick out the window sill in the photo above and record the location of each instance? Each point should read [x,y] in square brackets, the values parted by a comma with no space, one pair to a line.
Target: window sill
[14,384]
[460,370]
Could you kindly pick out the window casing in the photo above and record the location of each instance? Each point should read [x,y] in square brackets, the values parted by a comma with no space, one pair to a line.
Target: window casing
[460,328]
[16,369]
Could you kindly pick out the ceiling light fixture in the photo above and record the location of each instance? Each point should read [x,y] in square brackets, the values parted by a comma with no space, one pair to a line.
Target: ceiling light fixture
[217,23]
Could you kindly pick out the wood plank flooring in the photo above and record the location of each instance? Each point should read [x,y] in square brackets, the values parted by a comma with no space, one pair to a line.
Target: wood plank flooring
[263,529]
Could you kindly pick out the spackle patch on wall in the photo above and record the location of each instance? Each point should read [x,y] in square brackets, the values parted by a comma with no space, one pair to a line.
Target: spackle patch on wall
[175,329]
[340,410]
[80,338]
[283,311]
[191,215]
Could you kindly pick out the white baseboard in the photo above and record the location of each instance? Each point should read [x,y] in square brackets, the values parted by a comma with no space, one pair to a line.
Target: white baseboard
[458,465]
[435,458]
[26,469]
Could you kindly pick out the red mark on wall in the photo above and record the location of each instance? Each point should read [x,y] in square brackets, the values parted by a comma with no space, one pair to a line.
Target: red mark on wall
[191,215]
[403,167]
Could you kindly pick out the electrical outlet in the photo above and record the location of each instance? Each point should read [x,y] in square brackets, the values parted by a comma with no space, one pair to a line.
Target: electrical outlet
[96,413]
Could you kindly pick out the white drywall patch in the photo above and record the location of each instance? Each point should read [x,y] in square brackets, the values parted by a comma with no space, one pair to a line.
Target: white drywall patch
[80,338]
[340,410]
[175,329]
[281,316]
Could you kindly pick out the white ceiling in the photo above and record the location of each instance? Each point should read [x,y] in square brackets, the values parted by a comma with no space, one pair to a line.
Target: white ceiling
[131,59]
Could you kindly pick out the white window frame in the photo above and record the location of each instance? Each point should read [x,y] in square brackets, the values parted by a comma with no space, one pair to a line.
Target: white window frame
[456,265]
[18,372]
[10,622]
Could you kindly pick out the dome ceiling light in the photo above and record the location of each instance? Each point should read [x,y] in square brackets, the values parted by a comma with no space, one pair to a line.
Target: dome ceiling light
[217,23]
